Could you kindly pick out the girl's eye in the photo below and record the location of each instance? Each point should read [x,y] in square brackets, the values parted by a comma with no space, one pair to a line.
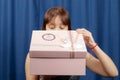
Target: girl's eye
[51,26]
[62,27]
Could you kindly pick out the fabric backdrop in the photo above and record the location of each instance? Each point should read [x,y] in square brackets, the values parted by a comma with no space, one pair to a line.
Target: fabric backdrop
[19,17]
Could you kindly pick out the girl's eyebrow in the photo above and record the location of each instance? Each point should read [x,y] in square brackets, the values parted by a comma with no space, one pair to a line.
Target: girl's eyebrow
[51,23]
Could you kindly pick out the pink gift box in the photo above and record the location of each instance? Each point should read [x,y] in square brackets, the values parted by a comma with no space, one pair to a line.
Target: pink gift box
[57,53]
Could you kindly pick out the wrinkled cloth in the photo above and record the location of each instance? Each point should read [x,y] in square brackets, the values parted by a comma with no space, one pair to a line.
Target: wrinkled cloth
[59,78]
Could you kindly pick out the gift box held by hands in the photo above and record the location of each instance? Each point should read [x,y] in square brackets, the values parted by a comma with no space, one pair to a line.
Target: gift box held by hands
[57,53]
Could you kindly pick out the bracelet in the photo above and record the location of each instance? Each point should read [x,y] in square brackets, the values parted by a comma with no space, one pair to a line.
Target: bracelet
[94,46]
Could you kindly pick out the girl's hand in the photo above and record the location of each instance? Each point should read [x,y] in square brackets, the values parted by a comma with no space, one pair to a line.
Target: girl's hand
[88,38]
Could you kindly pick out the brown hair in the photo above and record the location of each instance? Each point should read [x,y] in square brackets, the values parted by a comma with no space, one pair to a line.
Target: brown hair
[55,11]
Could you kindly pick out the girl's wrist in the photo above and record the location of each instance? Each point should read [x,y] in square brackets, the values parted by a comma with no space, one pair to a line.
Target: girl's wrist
[92,47]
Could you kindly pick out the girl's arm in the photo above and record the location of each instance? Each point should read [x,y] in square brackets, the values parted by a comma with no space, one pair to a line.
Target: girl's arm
[103,64]
[27,70]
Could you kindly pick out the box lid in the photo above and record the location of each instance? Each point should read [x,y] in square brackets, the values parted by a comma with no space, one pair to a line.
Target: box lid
[57,44]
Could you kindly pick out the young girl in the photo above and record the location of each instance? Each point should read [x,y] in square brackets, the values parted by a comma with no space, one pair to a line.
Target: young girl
[57,18]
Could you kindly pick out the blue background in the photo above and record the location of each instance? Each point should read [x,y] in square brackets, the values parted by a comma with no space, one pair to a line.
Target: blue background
[19,17]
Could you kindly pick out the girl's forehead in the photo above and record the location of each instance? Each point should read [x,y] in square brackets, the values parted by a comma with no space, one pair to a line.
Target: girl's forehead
[53,19]
[56,19]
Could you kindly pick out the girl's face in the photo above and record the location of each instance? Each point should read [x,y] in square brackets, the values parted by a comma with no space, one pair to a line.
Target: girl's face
[56,24]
